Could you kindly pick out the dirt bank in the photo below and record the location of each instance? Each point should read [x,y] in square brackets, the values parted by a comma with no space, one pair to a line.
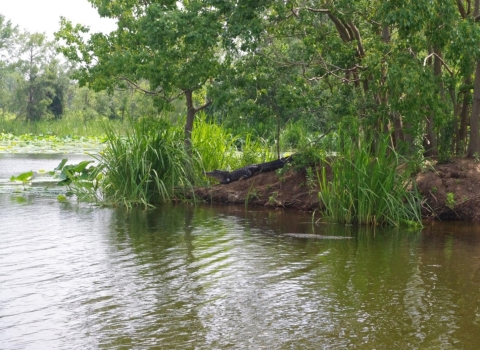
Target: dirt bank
[451,191]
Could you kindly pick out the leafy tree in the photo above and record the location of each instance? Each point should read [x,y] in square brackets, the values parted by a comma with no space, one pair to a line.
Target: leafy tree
[8,34]
[264,92]
[174,45]
[35,85]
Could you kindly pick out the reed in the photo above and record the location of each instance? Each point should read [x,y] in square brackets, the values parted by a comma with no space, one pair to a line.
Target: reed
[148,165]
[366,187]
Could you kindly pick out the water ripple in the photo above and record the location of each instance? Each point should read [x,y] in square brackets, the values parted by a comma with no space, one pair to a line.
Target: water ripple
[72,276]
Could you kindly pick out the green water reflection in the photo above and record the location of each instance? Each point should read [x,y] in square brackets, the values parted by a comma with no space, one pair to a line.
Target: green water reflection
[186,277]
[243,282]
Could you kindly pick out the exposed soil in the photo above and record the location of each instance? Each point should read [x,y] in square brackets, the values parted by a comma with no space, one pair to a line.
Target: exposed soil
[292,190]
[451,191]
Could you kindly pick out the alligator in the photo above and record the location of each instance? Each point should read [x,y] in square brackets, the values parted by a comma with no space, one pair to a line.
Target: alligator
[226,177]
[274,164]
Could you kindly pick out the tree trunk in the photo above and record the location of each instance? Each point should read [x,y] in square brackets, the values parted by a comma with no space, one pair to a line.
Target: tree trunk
[463,127]
[474,144]
[431,147]
[191,111]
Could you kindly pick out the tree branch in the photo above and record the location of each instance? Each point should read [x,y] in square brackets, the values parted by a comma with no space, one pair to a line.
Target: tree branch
[356,34]
[461,9]
[139,88]
[340,27]
[205,105]
[318,10]
[342,30]
[440,59]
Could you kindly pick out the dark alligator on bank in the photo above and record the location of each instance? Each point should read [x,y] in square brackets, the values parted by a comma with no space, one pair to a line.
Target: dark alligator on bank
[226,177]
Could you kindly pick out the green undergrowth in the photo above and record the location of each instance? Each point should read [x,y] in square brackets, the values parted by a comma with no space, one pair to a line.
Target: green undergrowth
[367,188]
[218,149]
[72,125]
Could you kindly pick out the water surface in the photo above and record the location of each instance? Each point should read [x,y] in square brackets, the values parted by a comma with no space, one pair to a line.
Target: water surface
[73,276]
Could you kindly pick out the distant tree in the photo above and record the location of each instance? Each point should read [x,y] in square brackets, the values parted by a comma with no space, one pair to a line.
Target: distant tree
[8,34]
[34,88]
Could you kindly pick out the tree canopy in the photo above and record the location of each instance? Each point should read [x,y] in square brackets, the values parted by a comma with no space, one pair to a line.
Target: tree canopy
[405,68]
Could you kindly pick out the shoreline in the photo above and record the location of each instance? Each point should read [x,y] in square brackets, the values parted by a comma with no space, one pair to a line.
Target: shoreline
[450,191]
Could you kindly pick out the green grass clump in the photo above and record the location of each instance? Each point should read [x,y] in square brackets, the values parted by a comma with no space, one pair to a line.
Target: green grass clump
[367,188]
[147,166]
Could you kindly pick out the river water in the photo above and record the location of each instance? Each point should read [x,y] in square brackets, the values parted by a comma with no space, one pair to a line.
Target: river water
[75,276]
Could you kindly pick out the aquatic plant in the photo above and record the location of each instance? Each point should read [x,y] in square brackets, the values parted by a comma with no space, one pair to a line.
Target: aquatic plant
[24,178]
[147,166]
[72,125]
[83,179]
[41,143]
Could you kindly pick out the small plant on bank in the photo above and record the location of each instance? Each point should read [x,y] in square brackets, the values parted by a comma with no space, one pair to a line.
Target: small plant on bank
[450,200]
[308,157]
[251,195]
[272,200]
[282,172]
[311,179]
[476,157]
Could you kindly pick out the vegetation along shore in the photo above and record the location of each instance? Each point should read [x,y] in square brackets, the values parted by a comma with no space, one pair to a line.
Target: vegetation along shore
[382,112]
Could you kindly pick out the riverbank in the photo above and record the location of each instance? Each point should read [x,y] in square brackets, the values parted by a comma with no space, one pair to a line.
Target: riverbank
[450,191]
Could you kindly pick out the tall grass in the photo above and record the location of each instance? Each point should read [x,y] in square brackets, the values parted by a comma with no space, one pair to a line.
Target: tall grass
[214,144]
[367,188]
[219,149]
[147,166]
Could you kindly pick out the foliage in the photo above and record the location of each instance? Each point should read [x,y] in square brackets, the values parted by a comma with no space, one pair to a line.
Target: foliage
[309,156]
[450,200]
[171,45]
[368,188]
[83,179]
[8,34]
[219,149]
[24,178]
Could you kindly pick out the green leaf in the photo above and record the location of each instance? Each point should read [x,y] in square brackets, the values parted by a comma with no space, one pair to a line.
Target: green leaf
[62,164]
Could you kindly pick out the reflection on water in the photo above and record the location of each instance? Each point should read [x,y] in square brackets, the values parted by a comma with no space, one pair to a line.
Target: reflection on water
[75,276]
[15,164]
